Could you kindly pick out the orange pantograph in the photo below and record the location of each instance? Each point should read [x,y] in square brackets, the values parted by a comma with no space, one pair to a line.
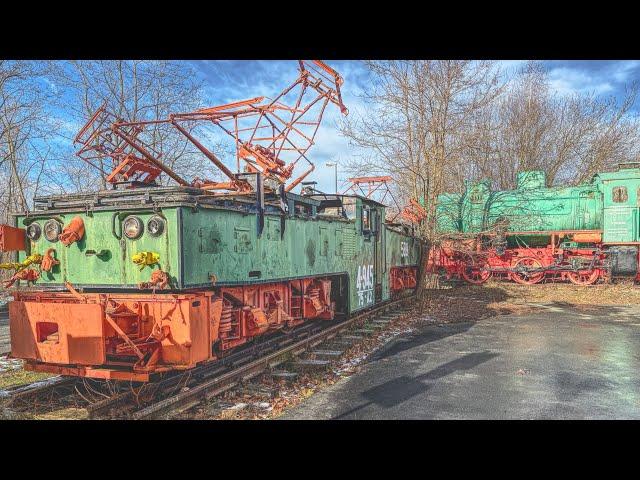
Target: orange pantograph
[270,136]
[378,188]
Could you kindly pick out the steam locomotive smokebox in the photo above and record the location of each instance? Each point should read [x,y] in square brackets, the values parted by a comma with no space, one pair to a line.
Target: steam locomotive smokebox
[624,260]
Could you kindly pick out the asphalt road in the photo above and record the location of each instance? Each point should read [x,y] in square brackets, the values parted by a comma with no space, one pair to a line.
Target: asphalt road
[560,363]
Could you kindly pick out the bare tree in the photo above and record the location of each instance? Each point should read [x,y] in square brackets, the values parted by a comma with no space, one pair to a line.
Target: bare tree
[417,113]
[25,130]
[133,90]
[532,128]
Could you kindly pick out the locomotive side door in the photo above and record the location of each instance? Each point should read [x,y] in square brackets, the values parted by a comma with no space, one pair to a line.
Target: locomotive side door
[378,256]
[620,212]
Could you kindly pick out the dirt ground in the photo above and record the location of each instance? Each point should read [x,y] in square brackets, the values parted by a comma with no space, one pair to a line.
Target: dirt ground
[471,302]
[267,398]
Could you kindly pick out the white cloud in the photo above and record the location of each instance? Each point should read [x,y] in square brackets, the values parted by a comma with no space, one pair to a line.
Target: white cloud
[621,71]
[567,81]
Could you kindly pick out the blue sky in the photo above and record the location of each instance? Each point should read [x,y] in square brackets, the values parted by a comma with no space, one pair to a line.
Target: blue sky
[230,80]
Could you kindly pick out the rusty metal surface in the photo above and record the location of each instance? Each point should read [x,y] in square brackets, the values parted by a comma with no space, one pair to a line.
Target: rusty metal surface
[270,136]
[12,239]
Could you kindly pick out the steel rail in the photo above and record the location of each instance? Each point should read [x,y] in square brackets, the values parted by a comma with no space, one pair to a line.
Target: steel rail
[226,372]
[104,407]
[27,394]
[188,399]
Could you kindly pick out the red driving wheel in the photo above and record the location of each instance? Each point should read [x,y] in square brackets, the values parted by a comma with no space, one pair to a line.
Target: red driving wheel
[584,277]
[523,277]
[475,270]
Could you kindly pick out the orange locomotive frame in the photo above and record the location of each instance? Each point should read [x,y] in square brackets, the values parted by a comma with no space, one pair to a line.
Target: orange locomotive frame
[161,332]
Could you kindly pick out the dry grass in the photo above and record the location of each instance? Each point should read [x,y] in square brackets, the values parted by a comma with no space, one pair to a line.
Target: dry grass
[70,413]
[471,303]
[604,294]
[14,378]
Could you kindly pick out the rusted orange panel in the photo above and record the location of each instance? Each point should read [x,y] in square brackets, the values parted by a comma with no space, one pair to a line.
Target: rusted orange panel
[187,323]
[56,328]
[62,333]
[12,239]
[587,237]
[72,232]
[214,315]
[402,277]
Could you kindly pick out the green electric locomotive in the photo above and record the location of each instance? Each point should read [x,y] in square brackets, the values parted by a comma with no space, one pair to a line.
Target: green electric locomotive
[140,279]
[168,277]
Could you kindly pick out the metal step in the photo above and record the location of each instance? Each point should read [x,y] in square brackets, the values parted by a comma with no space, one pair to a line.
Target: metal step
[259,390]
[328,353]
[284,375]
[352,338]
[375,326]
[312,363]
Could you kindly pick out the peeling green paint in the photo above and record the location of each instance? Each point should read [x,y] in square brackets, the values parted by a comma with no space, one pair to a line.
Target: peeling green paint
[199,243]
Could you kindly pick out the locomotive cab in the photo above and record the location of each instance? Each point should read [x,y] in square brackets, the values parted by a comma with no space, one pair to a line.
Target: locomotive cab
[621,229]
[621,202]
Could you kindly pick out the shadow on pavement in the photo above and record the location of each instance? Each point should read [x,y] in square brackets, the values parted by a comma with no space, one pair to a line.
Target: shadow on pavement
[431,334]
[400,389]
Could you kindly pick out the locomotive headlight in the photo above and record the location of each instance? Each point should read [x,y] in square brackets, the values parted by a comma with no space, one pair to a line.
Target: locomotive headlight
[155,226]
[51,230]
[132,227]
[34,231]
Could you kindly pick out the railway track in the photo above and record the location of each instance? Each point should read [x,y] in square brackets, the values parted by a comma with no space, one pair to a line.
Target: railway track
[178,393]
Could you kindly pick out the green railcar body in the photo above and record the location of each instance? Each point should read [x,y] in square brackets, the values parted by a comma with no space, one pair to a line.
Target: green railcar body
[223,241]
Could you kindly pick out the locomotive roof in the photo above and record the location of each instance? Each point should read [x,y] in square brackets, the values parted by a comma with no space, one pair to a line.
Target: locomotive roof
[143,197]
[329,198]
[172,195]
[625,170]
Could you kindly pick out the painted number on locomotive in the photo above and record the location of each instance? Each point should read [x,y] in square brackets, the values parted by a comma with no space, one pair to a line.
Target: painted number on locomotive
[404,249]
[364,285]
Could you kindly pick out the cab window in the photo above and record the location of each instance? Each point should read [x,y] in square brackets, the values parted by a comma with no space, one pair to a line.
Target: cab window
[349,207]
[619,195]
[476,197]
[366,219]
